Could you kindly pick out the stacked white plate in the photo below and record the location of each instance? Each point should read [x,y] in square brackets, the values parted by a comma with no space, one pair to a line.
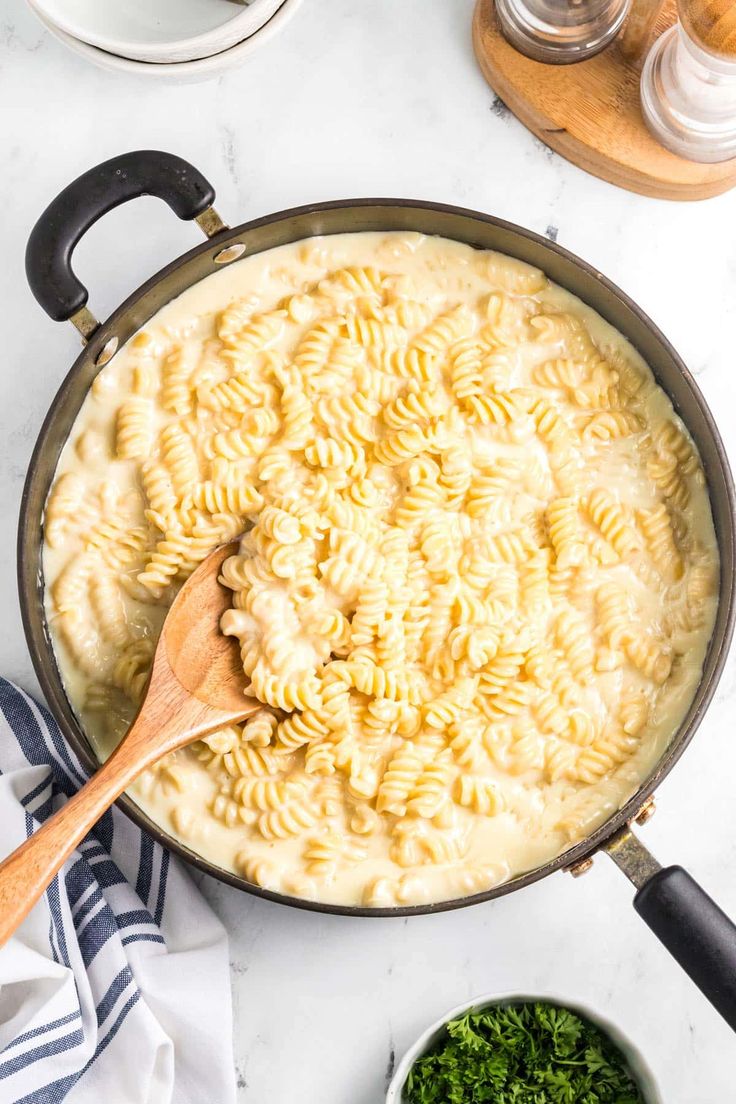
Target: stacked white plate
[164,39]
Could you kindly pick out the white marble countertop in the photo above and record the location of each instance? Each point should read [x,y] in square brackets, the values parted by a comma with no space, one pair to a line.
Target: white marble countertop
[356,98]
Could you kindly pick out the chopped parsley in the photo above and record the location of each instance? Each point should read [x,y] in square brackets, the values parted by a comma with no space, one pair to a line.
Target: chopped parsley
[522,1054]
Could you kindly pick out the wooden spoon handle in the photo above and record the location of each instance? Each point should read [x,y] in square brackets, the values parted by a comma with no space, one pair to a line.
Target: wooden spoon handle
[27,872]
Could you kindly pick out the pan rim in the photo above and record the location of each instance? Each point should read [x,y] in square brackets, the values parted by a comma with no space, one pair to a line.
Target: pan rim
[43,656]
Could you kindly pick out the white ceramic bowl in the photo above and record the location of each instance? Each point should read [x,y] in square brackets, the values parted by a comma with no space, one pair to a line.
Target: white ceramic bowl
[635,1060]
[177,72]
[159,31]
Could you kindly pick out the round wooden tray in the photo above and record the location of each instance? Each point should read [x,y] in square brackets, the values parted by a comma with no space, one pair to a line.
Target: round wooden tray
[590,113]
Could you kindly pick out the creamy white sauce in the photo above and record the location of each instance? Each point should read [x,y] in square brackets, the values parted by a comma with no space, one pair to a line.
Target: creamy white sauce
[101,616]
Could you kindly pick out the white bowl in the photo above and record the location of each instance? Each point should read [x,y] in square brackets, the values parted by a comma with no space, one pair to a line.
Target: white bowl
[202,69]
[635,1060]
[160,31]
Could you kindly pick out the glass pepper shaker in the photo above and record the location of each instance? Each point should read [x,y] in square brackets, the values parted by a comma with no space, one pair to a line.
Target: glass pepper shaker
[560,31]
[688,83]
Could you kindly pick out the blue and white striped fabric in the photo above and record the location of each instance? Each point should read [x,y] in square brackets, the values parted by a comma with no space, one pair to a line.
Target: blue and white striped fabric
[116,988]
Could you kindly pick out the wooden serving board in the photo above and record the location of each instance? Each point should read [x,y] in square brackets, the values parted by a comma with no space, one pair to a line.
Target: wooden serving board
[590,113]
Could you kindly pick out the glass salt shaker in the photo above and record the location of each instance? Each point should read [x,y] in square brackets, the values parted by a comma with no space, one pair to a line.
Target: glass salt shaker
[560,31]
[688,84]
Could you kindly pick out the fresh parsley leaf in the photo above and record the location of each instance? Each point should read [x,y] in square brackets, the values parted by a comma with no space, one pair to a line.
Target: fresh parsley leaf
[532,1053]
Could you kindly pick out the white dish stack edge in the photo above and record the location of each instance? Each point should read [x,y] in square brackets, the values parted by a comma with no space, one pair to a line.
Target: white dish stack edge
[175,40]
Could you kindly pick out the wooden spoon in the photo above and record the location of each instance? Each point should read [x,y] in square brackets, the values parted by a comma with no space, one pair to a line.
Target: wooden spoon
[196,686]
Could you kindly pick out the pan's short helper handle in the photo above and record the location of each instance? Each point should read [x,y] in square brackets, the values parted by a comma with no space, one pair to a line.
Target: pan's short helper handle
[689,923]
[68,218]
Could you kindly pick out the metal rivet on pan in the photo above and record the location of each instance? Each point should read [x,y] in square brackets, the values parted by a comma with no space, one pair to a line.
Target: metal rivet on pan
[107,352]
[646,812]
[579,868]
[230,253]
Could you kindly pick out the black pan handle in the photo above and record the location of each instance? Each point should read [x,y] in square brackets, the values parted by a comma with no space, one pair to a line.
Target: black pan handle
[69,216]
[696,932]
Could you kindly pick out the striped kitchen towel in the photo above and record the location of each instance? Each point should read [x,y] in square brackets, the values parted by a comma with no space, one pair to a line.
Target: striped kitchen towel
[116,989]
